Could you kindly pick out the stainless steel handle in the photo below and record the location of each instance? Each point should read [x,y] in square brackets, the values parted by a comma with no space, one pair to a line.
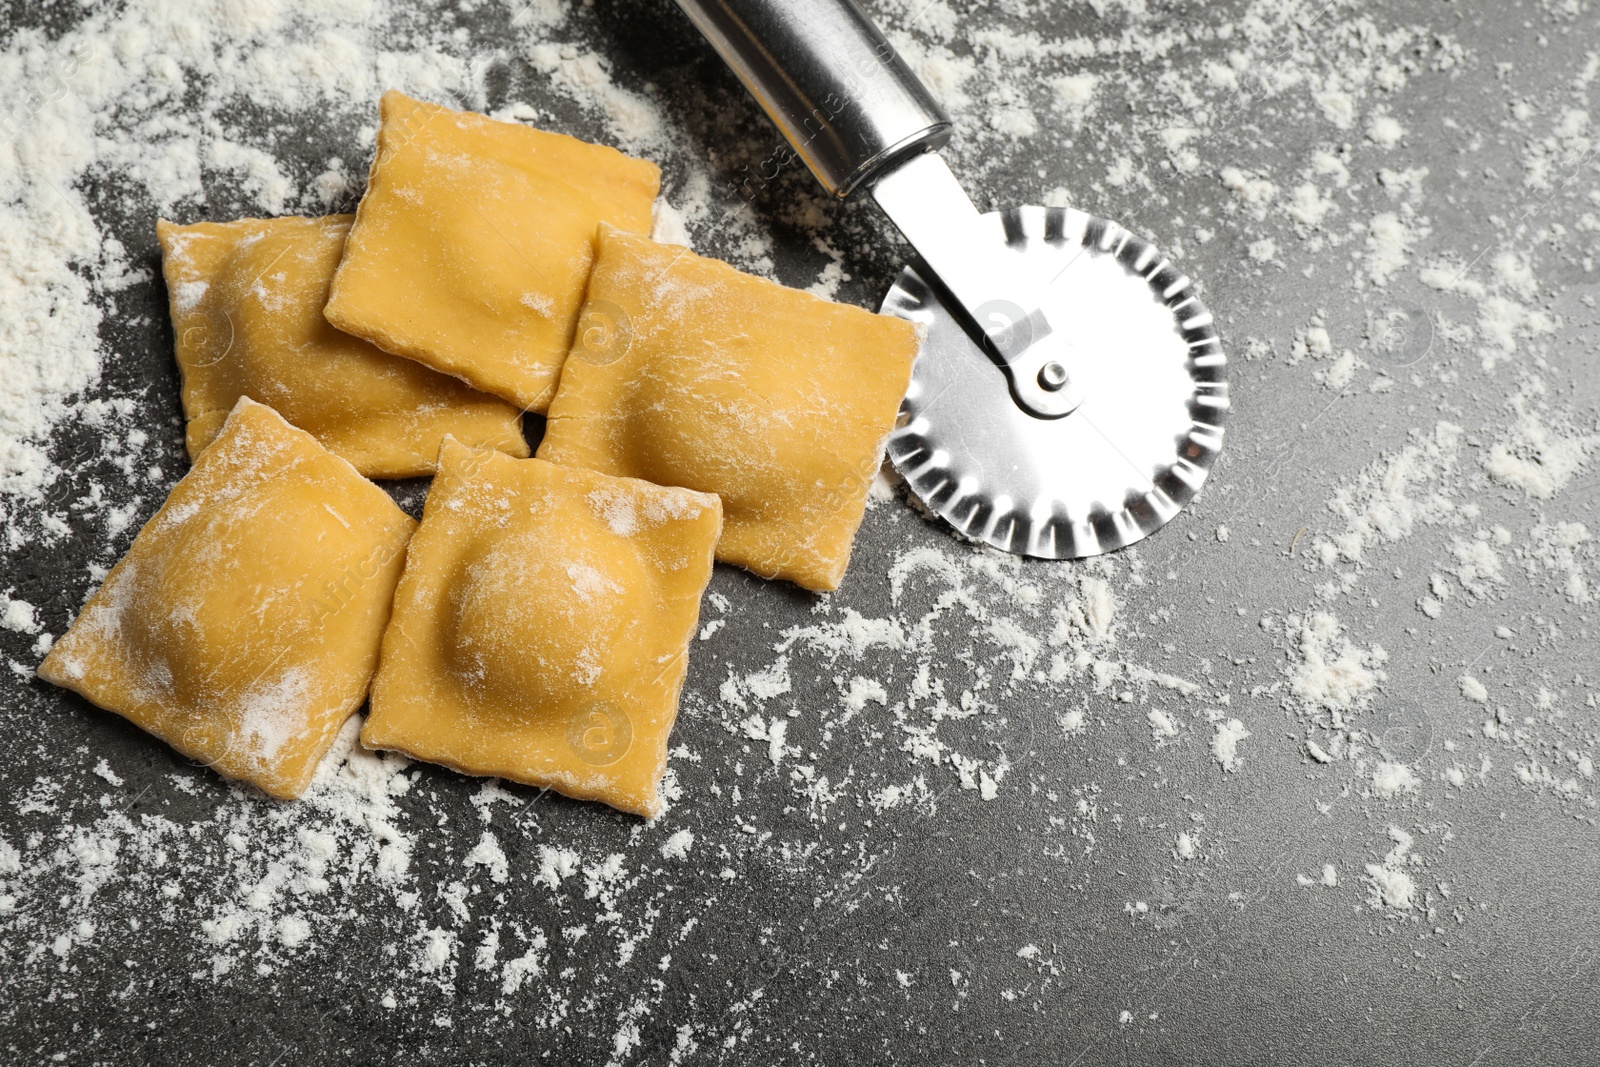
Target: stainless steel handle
[829,79]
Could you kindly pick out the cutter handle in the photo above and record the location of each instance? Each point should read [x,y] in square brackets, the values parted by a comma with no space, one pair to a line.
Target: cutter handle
[831,82]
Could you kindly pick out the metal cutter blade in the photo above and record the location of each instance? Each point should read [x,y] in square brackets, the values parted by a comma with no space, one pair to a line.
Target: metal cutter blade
[1138,447]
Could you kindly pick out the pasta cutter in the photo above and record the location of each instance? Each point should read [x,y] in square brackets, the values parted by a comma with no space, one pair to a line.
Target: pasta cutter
[1071,390]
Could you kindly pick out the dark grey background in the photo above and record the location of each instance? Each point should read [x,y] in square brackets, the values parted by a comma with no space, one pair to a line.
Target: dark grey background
[795,960]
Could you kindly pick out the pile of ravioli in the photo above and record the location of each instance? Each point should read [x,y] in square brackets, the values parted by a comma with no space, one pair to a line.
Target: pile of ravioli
[535,625]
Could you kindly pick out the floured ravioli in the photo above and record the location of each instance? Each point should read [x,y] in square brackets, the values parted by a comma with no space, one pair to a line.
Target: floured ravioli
[473,243]
[242,627]
[687,372]
[542,627]
[247,301]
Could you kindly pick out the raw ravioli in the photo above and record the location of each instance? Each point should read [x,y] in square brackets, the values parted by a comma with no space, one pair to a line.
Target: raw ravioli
[687,372]
[247,301]
[473,243]
[542,627]
[243,625]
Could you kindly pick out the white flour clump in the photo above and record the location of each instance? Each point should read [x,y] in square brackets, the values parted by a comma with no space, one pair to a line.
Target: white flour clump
[1390,239]
[1539,453]
[677,846]
[1558,549]
[1384,130]
[1333,676]
[1225,744]
[1391,779]
[1389,883]
[18,616]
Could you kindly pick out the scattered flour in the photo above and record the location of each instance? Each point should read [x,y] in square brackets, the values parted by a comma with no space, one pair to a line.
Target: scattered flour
[921,688]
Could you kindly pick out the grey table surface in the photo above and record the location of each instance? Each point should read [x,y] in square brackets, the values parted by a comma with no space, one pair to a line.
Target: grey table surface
[1052,924]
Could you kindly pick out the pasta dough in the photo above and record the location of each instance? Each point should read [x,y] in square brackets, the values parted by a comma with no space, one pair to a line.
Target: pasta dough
[541,629]
[686,372]
[473,243]
[243,625]
[247,302]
